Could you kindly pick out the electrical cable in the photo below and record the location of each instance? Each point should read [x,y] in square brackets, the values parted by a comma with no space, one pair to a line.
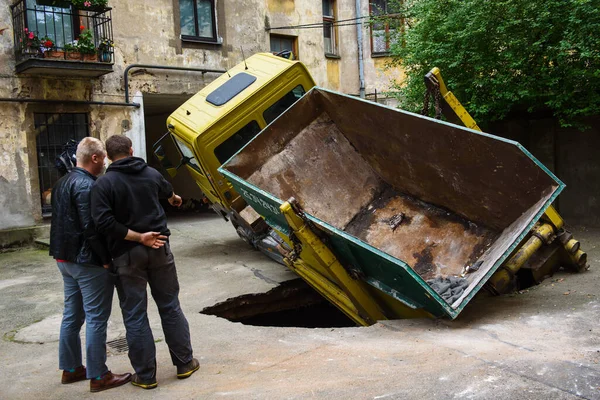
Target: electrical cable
[335,23]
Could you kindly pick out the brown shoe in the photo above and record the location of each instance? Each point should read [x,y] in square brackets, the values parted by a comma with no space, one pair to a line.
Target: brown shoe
[75,376]
[109,381]
[185,371]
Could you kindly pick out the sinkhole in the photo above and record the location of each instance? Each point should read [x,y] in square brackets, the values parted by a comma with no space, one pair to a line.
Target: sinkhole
[291,304]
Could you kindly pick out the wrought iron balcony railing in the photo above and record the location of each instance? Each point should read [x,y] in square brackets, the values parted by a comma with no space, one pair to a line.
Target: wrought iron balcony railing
[60,31]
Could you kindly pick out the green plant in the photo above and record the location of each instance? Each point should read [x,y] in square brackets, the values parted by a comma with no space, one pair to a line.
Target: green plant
[70,47]
[85,42]
[30,40]
[47,44]
[83,4]
[105,44]
[504,56]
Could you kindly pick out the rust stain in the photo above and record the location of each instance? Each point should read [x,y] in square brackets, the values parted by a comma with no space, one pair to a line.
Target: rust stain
[321,169]
[432,240]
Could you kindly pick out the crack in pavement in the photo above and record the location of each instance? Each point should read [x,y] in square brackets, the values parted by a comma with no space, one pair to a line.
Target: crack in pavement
[497,364]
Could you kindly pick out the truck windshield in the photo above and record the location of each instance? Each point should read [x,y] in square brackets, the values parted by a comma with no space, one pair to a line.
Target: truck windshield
[188,154]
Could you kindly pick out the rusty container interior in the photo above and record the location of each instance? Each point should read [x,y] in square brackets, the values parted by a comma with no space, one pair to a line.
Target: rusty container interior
[434,196]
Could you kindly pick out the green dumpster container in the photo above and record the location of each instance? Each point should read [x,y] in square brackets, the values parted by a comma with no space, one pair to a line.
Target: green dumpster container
[419,213]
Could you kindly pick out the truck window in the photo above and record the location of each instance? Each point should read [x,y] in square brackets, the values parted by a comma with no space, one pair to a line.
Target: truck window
[230,89]
[283,104]
[188,153]
[234,143]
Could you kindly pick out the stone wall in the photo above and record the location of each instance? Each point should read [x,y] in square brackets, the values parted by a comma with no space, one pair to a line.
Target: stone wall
[571,154]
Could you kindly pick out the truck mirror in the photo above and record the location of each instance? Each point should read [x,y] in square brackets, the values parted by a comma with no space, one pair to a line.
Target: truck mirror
[161,155]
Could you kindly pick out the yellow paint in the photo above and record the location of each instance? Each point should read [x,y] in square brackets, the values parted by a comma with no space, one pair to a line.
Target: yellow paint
[202,126]
[327,275]
[333,74]
[281,6]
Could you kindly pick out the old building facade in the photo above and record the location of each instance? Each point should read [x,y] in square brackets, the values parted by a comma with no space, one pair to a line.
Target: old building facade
[74,68]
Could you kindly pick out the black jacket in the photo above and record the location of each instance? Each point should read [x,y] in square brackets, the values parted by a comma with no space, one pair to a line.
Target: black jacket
[127,197]
[73,236]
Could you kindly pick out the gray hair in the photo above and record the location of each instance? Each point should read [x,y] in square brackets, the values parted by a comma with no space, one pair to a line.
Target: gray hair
[87,148]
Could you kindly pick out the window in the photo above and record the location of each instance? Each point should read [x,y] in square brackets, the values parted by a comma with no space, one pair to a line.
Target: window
[188,154]
[198,20]
[383,29]
[230,89]
[281,45]
[283,104]
[329,29]
[234,143]
[53,133]
[53,22]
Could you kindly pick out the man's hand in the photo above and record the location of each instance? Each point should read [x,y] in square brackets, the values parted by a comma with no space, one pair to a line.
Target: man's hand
[106,266]
[175,200]
[153,239]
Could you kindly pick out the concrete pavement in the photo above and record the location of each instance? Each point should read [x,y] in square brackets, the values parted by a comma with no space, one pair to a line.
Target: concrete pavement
[540,344]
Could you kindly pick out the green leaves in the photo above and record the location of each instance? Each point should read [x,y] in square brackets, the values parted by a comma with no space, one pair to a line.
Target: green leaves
[504,55]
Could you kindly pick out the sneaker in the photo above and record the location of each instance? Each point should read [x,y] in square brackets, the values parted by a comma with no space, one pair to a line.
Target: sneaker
[76,376]
[185,371]
[137,381]
[109,381]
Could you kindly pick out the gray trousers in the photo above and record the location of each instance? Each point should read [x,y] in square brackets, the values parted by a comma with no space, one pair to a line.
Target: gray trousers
[136,268]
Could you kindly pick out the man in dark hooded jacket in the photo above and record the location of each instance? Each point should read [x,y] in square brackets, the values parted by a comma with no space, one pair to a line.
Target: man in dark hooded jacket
[125,201]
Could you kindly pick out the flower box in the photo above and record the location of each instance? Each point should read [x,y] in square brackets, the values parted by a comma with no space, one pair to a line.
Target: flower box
[54,54]
[75,55]
[90,57]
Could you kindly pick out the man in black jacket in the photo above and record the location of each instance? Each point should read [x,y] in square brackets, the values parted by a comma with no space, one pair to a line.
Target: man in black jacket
[83,260]
[126,201]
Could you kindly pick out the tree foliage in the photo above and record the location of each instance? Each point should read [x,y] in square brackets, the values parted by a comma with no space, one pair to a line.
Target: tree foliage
[504,55]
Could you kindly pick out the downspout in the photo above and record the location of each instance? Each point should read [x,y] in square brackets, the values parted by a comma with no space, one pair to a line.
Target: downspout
[359,39]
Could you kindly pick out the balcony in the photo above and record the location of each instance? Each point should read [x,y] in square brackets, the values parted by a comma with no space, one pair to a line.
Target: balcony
[55,37]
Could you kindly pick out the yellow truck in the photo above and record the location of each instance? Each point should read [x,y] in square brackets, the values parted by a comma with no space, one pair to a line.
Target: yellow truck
[219,120]
[385,213]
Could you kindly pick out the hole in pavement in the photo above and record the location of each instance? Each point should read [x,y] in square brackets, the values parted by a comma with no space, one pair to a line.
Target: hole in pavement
[291,304]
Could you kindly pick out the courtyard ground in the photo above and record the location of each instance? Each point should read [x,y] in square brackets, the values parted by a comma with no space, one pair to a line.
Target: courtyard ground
[539,344]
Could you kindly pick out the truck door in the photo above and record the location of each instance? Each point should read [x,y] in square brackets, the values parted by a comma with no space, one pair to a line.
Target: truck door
[199,174]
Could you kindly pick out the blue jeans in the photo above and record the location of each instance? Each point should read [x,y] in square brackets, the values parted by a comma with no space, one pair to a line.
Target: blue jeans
[138,268]
[88,297]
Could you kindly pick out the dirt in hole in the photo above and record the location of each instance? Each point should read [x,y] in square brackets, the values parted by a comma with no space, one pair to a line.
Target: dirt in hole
[291,304]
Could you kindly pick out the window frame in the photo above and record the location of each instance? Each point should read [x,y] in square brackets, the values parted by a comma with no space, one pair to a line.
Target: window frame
[202,39]
[293,39]
[330,19]
[387,30]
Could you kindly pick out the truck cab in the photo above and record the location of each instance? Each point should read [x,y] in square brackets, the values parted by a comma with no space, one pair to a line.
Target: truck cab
[218,121]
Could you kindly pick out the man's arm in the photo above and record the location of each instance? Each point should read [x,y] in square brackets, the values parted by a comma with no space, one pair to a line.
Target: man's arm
[83,203]
[107,224]
[150,239]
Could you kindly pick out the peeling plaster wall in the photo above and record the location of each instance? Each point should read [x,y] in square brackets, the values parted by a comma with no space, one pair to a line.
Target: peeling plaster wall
[149,33]
[378,75]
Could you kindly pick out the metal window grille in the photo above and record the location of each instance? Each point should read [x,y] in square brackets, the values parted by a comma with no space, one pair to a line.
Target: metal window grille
[53,131]
[62,23]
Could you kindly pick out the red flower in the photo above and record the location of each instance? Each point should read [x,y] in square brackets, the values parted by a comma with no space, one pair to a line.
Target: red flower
[48,43]
[26,30]
[31,35]
[81,27]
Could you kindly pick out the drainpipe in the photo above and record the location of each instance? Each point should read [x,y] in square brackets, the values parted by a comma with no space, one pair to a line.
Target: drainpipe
[359,39]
